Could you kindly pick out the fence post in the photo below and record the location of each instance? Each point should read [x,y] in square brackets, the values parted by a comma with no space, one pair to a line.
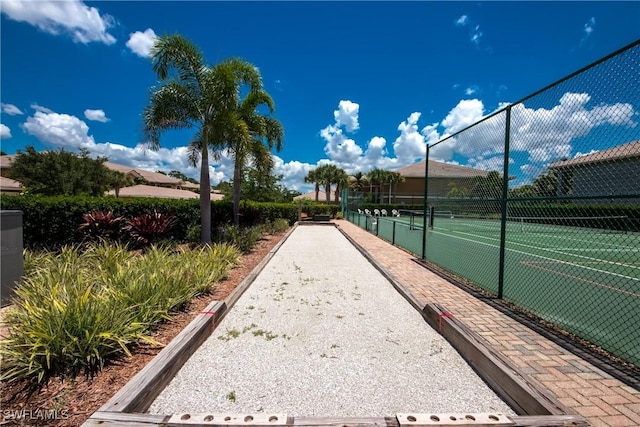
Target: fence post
[503,202]
[393,233]
[424,203]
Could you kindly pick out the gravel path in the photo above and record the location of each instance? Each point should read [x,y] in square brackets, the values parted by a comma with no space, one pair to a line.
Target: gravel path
[322,333]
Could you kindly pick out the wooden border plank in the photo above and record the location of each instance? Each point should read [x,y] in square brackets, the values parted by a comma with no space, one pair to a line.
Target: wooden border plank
[107,419]
[112,419]
[525,395]
[138,394]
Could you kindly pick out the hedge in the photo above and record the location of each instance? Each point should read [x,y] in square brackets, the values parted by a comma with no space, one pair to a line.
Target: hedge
[52,221]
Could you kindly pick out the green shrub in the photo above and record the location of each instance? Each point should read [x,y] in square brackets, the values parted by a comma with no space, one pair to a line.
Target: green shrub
[100,225]
[277,226]
[149,228]
[244,238]
[74,311]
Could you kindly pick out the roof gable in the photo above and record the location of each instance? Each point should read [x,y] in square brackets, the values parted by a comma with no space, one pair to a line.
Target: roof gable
[624,151]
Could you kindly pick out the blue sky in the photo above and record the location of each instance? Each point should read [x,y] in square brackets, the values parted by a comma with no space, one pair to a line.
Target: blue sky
[357,84]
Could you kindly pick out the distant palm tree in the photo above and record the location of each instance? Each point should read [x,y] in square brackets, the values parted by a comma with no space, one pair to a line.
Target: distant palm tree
[359,181]
[377,177]
[325,175]
[393,178]
[187,98]
[312,176]
[341,179]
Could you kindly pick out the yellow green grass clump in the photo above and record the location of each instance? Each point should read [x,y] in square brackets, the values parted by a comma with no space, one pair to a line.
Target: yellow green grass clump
[77,309]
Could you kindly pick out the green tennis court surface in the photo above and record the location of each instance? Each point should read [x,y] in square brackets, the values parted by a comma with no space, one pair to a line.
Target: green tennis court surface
[584,279]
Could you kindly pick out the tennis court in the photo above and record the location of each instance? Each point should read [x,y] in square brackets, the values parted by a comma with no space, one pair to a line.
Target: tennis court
[582,278]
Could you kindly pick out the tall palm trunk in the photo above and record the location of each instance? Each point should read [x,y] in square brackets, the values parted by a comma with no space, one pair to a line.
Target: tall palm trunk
[317,190]
[205,196]
[327,192]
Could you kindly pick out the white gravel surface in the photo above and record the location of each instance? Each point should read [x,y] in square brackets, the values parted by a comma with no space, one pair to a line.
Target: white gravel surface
[322,333]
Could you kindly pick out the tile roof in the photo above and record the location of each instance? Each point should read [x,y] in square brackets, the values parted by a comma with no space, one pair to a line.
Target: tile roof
[311,195]
[8,184]
[5,161]
[624,151]
[151,177]
[440,170]
[154,191]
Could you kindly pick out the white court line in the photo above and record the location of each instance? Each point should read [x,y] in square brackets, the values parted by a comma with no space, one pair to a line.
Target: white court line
[547,258]
[513,235]
[554,250]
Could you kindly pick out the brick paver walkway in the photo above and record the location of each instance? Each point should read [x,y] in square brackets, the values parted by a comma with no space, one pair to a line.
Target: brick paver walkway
[582,387]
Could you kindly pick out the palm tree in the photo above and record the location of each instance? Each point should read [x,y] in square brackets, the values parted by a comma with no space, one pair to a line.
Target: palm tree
[393,178]
[247,134]
[324,175]
[341,179]
[312,176]
[359,181]
[187,98]
[377,177]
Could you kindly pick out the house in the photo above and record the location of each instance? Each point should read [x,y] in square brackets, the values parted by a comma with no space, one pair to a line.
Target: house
[442,176]
[8,185]
[614,173]
[322,196]
[151,178]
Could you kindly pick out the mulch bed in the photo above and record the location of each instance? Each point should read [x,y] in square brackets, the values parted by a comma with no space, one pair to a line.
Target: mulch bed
[73,401]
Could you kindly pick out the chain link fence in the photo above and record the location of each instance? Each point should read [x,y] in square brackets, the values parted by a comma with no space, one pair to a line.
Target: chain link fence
[545,212]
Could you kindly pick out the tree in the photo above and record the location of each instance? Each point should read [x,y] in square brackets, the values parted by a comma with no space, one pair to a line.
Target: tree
[120,180]
[247,134]
[62,173]
[487,187]
[457,191]
[523,191]
[546,184]
[393,178]
[261,187]
[313,177]
[377,177]
[326,175]
[341,179]
[359,181]
[180,175]
[188,98]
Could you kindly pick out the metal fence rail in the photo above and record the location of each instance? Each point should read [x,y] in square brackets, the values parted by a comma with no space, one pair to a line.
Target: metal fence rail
[550,220]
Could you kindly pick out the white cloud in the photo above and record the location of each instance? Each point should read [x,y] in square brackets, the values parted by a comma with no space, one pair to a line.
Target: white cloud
[11,109]
[589,26]
[547,133]
[5,132]
[409,146]
[97,115]
[41,109]
[347,115]
[471,90]
[293,173]
[141,43]
[474,29]
[72,17]
[462,21]
[61,130]
[467,112]
[376,149]
[339,148]
[71,133]
[475,35]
